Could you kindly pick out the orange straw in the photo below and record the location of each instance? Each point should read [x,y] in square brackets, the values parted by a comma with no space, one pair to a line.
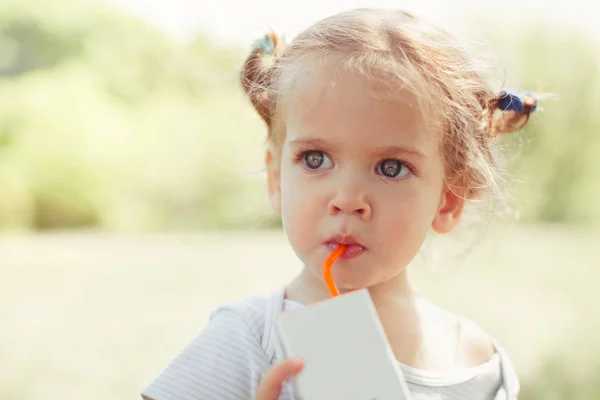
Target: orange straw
[327,265]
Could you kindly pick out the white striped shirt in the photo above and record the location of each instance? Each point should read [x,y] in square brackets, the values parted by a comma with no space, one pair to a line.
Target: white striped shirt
[228,359]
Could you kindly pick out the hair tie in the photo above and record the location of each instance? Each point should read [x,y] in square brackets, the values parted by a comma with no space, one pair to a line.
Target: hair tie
[508,101]
[265,44]
[532,99]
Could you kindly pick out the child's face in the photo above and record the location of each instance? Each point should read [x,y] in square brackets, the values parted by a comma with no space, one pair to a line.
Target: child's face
[364,171]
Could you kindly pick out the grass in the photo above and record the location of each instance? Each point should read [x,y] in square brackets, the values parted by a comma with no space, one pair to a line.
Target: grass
[97,316]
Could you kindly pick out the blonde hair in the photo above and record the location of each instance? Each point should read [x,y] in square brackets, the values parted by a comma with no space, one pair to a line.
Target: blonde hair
[399,50]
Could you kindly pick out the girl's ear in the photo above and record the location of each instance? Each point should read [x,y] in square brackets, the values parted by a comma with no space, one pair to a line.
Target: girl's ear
[449,211]
[273,178]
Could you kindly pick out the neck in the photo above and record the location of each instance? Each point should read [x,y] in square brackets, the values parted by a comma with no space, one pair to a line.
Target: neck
[307,288]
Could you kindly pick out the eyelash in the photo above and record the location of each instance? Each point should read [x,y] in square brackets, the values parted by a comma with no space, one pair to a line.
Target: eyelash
[300,154]
[406,164]
[299,157]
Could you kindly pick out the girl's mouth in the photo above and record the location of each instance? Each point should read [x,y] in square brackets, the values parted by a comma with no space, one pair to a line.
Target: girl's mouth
[353,249]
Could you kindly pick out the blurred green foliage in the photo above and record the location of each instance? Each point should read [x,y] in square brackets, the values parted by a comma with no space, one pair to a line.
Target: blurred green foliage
[556,168]
[107,123]
[104,122]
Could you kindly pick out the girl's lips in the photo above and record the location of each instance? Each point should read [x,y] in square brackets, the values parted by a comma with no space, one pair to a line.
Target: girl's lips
[352,250]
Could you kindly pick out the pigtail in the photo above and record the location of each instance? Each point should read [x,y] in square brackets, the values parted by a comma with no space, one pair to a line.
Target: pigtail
[257,73]
[510,112]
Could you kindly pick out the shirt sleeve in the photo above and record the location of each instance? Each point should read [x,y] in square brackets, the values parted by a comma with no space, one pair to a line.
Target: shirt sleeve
[511,386]
[225,361]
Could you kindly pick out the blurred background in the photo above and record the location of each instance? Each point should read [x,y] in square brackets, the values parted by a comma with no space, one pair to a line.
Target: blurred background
[132,197]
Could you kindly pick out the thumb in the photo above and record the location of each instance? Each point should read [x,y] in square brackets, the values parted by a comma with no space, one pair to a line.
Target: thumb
[270,386]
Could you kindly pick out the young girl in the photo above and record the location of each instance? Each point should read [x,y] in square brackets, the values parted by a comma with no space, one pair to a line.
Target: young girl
[380,128]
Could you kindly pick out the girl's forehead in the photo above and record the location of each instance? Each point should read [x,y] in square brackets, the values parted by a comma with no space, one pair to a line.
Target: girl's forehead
[351,106]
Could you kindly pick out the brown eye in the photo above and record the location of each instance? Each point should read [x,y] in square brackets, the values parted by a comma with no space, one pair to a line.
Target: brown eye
[314,159]
[393,168]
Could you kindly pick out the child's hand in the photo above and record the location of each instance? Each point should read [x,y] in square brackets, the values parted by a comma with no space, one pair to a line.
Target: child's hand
[270,387]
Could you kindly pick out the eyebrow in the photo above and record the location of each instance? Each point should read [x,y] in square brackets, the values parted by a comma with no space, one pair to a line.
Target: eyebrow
[400,150]
[309,142]
[385,150]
